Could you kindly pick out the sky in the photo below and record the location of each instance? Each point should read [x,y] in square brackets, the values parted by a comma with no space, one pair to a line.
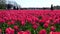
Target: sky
[37,3]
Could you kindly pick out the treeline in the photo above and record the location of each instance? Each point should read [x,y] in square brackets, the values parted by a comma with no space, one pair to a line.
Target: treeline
[9,6]
[43,8]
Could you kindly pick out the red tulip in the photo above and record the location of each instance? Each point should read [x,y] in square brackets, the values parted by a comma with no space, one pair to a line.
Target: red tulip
[42,32]
[33,23]
[42,21]
[48,21]
[16,28]
[23,23]
[9,31]
[28,32]
[52,28]
[51,32]
[2,20]
[12,22]
[9,23]
[35,26]
[25,33]
[5,18]
[29,19]
[46,25]
[20,32]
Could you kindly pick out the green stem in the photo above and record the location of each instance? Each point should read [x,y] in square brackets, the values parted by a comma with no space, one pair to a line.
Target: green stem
[35,31]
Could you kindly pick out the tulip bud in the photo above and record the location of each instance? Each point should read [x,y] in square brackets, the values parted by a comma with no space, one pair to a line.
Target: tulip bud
[52,28]
[35,26]
[16,28]
[45,25]
[42,32]
[22,23]
[20,32]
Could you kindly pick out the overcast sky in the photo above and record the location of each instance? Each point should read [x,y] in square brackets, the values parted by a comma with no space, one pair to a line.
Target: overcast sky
[37,3]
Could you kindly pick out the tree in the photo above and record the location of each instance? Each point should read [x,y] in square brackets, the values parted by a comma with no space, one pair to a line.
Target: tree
[2,1]
[51,6]
[9,6]
[2,4]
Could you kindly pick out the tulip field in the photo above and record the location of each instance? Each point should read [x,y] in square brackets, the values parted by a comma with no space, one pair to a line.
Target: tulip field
[29,21]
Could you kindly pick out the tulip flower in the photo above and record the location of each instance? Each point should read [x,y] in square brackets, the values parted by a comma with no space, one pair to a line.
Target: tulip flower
[52,28]
[9,31]
[35,26]
[23,23]
[26,32]
[16,28]
[20,32]
[51,32]
[42,32]
[46,25]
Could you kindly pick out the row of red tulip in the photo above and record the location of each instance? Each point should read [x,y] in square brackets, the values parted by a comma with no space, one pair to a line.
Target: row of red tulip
[12,31]
[35,18]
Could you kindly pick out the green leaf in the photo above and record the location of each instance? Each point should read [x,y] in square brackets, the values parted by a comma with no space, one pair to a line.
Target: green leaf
[57,27]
